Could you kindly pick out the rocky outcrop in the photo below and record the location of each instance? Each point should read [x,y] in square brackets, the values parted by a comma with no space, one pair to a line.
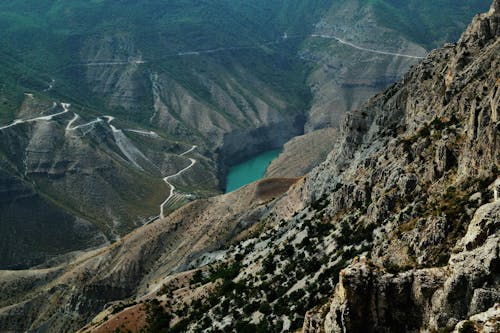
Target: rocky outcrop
[368,299]
[371,296]
[301,154]
[487,322]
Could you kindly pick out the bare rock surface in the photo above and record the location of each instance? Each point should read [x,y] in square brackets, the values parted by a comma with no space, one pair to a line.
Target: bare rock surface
[301,154]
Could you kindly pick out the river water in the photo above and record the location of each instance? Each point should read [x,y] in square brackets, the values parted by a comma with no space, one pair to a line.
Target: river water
[250,170]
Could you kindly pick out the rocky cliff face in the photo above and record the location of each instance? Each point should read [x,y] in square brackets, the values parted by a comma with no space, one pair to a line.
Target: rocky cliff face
[448,154]
[369,299]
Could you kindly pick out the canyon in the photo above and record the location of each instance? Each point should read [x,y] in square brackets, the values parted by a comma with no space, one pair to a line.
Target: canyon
[142,96]
[113,221]
[397,230]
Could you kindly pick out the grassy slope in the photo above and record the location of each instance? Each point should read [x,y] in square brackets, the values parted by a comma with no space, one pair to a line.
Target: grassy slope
[427,22]
[41,40]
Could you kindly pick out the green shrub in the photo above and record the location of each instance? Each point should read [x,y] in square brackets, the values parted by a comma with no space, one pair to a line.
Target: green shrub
[265,308]
[468,327]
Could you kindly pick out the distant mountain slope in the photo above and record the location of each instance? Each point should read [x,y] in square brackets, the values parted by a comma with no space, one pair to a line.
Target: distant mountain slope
[371,44]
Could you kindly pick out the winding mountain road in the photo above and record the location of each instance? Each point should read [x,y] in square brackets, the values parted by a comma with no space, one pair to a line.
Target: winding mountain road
[70,127]
[132,153]
[172,187]
[248,47]
[341,41]
[65,107]
[146,133]
[113,62]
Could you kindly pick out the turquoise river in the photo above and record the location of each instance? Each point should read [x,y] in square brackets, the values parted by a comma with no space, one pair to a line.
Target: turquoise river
[244,173]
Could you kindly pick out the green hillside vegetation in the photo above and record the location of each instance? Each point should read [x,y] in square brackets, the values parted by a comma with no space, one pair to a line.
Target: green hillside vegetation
[427,22]
[41,41]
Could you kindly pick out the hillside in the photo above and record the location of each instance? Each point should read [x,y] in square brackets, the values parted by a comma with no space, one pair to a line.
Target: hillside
[397,230]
